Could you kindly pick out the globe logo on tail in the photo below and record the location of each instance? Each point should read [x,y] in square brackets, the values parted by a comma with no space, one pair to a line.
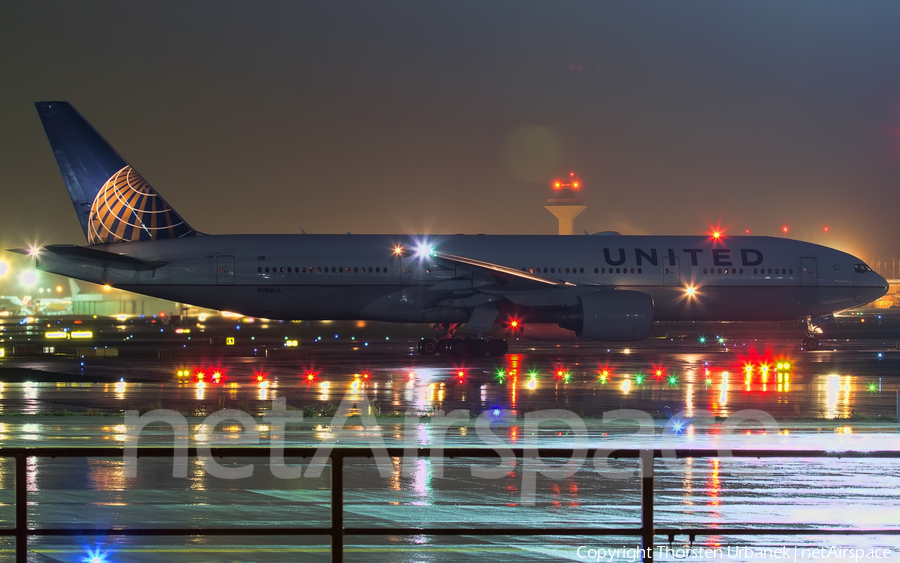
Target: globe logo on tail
[127,209]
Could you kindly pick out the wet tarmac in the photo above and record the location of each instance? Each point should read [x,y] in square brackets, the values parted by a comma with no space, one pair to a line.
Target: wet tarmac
[828,400]
[858,383]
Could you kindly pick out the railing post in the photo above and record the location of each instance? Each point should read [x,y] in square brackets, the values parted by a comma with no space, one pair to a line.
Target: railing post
[21,509]
[647,530]
[337,508]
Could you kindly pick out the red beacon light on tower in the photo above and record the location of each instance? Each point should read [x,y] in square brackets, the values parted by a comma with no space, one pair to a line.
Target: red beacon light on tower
[570,183]
[566,202]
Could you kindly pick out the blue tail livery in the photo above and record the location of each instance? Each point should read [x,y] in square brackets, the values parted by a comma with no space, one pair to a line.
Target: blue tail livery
[113,202]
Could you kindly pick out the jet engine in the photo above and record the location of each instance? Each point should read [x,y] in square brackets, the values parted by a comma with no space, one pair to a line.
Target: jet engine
[612,316]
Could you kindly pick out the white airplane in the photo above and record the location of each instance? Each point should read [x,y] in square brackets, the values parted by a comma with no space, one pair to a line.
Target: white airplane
[605,287]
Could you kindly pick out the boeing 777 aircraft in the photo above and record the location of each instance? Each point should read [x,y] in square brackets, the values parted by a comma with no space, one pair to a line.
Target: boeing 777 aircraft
[605,287]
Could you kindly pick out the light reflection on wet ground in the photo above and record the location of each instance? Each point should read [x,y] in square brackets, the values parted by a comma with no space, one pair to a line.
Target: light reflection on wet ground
[860,384]
[806,493]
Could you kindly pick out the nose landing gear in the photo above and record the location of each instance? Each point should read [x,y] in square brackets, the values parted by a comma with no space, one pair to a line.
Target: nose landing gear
[811,340]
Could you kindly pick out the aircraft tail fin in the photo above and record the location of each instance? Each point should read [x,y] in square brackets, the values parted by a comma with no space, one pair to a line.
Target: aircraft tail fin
[113,202]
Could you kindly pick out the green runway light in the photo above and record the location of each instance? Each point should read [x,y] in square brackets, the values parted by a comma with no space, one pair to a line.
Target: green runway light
[702,340]
[639,379]
[672,380]
[872,387]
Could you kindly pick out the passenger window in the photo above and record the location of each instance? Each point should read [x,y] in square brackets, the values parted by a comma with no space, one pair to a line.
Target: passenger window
[639,270]
[704,270]
[259,269]
[567,270]
[617,270]
[580,270]
[632,270]
[552,270]
[596,271]
[267,269]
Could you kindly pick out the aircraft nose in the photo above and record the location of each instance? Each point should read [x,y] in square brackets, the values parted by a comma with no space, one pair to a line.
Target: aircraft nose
[883,284]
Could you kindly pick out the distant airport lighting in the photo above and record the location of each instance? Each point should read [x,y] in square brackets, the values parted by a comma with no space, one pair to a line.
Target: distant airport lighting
[57,334]
[825,229]
[690,291]
[107,287]
[784,229]
[82,334]
[4,267]
[59,289]
[717,235]
[28,278]
[398,250]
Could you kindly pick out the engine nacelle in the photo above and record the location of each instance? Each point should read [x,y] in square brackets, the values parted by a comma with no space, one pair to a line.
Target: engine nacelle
[612,316]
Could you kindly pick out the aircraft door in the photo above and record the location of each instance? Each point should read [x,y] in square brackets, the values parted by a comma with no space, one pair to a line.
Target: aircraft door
[808,274]
[224,270]
[671,271]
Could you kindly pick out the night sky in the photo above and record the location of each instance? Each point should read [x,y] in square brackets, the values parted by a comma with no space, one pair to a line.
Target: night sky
[404,117]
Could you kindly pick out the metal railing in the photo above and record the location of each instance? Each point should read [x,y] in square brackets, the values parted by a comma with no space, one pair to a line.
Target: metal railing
[337,531]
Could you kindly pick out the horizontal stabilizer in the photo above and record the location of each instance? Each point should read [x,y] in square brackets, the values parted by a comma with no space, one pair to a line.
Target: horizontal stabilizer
[94,257]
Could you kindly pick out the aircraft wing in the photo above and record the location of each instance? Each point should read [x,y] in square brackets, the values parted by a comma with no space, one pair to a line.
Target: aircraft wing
[93,256]
[508,278]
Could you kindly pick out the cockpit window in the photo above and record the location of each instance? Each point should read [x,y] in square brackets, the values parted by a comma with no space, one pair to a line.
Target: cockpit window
[861,268]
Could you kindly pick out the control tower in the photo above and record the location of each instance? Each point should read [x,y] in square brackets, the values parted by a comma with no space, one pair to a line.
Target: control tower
[566,203]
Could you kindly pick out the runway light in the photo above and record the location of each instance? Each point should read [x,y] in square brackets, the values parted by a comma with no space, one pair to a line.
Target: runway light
[702,340]
[217,376]
[872,387]
[398,250]
[672,380]
[639,379]
[96,556]
[460,374]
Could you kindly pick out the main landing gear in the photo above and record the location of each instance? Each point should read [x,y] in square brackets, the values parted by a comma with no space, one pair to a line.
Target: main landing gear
[811,340]
[463,347]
